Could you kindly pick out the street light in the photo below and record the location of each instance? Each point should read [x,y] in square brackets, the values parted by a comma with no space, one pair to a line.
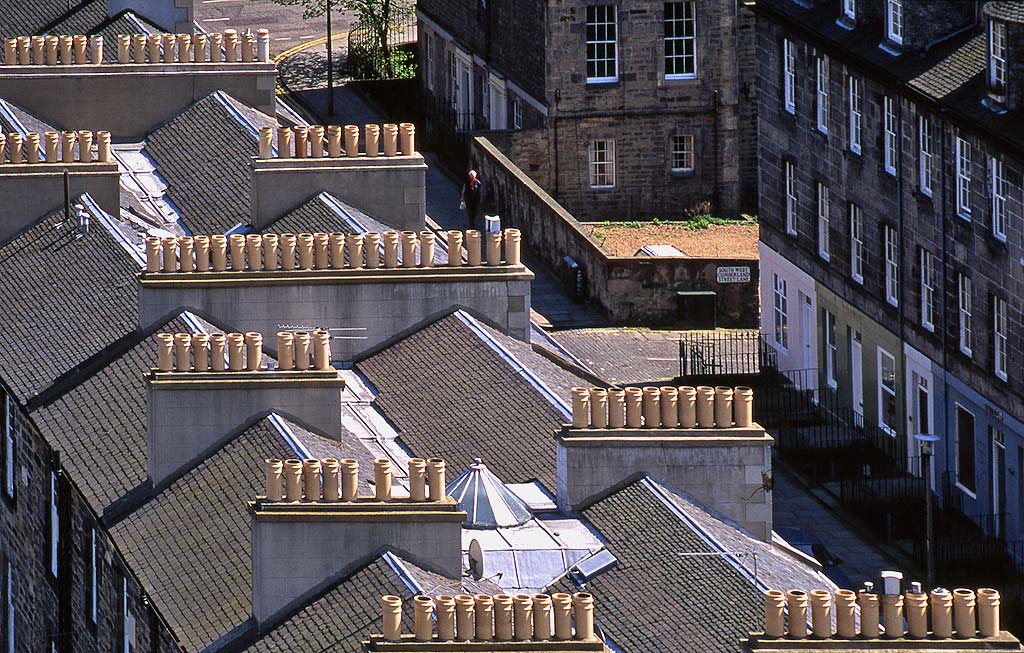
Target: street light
[927,442]
[330,64]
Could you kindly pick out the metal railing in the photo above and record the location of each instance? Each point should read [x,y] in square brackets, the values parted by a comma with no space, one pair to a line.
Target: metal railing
[368,60]
[706,353]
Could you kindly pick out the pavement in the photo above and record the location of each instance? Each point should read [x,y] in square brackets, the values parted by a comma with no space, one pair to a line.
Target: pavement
[287,25]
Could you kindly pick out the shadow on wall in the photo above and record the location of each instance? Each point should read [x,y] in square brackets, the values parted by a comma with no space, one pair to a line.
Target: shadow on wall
[662,291]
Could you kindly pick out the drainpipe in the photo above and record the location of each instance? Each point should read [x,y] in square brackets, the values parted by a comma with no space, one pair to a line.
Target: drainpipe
[716,105]
[947,450]
[901,258]
[554,119]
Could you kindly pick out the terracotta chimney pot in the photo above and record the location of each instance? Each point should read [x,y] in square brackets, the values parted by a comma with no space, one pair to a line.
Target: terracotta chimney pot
[152,251]
[237,242]
[266,142]
[418,479]
[249,48]
[390,140]
[52,140]
[65,45]
[494,248]
[483,612]
[616,408]
[124,48]
[523,617]
[687,398]
[311,478]
[14,141]
[288,242]
[293,479]
[988,612]
[184,48]
[253,248]
[218,252]
[273,469]
[217,344]
[723,407]
[942,613]
[316,141]
[103,147]
[51,44]
[436,479]
[372,140]
[329,467]
[270,252]
[32,147]
[583,611]
[165,352]
[284,142]
[321,251]
[821,613]
[473,253]
[25,50]
[372,249]
[199,48]
[263,45]
[170,247]
[168,41]
[349,479]
[964,605]
[542,616]
[915,606]
[892,615]
[301,136]
[337,250]
[669,407]
[139,48]
[392,607]
[302,348]
[67,147]
[305,251]
[503,618]
[230,45]
[634,403]
[445,608]
[351,141]
[382,475]
[322,350]
[868,615]
[37,50]
[846,624]
[705,407]
[423,613]
[390,249]
[334,141]
[599,408]
[285,343]
[513,247]
[236,348]
[202,247]
[253,350]
[774,613]
[354,245]
[652,407]
[426,249]
[201,352]
[85,146]
[185,254]
[465,629]
[153,48]
[96,49]
[10,52]
[580,408]
[797,600]
[562,604]
[408,138]
[408,249]
[454,248]
[79,44]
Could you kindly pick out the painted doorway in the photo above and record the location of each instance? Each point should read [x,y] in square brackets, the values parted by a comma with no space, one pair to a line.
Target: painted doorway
[857,378]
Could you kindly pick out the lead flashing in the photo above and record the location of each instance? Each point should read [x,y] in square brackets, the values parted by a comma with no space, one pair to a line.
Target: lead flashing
[362,510]
[246,379]
[590,437]
[231,278]
[408,643]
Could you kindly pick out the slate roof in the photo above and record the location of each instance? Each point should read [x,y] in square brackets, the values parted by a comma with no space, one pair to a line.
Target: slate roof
[23,18]
[659,598]
[66,299]
[951,74]
[82,19]
[28,121]
[1006,10]
[100,424]
[451,394]
[201,577]
[313,216]
[203,155]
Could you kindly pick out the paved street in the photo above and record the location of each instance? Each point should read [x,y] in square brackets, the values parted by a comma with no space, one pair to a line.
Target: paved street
[287,26]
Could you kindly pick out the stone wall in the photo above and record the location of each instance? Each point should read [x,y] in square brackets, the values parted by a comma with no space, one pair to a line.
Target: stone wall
[630,290]
[32,190]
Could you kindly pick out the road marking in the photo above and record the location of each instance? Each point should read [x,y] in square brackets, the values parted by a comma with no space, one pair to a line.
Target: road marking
[215,20]
[306,46]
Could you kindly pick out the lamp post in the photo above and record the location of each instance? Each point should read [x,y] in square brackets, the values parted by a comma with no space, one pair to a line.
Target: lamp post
[330,63]
[926,442]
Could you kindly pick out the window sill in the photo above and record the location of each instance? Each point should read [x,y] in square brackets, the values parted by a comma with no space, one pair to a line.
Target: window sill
[966,217]
[832,383]
[603,83]
[682,173]
[966,491]
[967,352]
[890,46]
[892,303]
[930,328]
[1003,376]
[602,188]
[846,22]
[858,154]
[857,280]
[681,78]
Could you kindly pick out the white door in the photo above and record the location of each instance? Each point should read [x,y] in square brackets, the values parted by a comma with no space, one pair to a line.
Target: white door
[464,91]
[857,377]
[998,465]
[807,327]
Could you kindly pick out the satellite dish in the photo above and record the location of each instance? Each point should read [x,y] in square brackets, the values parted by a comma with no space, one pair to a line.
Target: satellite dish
[476,560]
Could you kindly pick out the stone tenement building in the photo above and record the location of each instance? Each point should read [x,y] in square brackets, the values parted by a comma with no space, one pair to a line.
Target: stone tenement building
[891,145]
[617,109]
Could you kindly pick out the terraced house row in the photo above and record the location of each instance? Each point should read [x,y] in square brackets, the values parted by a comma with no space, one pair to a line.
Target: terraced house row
[892,230]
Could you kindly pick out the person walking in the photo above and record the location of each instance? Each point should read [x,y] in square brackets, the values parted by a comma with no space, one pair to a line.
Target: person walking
[472,193]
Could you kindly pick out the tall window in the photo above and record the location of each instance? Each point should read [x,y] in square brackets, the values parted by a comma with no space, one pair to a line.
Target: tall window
[54,524]
[926,154]
[125,617]
[517,114]
[428,65]
[999,336]
[93,579]
[602,44]
[823,223]
[997,57]
[965,472]
[780,307]
[680,40]
[890,143]
[822,94]
[8,581]
[682,153]
[886,392]
[789,75]
[790,171]
[855,91]
[963,177]
[856,243]
[1000,190]
[966,313]
[602,164]
[927,290]
[9,448]
[892,270]
[831,350]
[850,9]
[894,21]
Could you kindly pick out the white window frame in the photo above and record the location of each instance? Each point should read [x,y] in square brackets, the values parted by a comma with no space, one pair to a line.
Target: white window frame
[780,311]
[856,243]
[974,440]
[10,465]
[126,643]
[9,626]
[890,142]
[965,311]
[831,350]
[517,114]
[602,42]
[789,169]
[997,56]
[884,389]
[682,153]
[925,154]
[963,177]
[855,94]
[93,569]
[892,263]
[54,525]
[789,76]
[602,171]
[821,93]
[687,42]
[894,21]
[824,242]
[999,197]
[850,9]
[428,46]
[999,338]
[927,290]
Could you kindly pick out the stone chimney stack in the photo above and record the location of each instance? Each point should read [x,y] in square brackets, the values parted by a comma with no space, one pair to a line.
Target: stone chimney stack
[1003,23]
[311,528]
[206,387]
[702,440]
